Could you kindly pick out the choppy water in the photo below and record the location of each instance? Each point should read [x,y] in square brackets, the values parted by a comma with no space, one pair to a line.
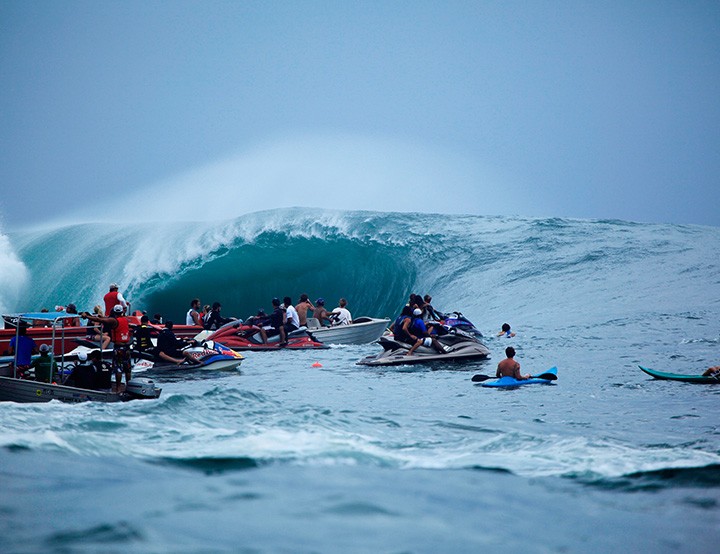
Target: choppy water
[286,457]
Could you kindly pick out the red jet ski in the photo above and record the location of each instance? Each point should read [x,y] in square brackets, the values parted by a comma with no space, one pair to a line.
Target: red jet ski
[248,337]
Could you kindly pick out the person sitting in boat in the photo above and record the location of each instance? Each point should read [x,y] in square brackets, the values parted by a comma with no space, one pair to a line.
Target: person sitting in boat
[113,298]
[292,319]
[320,313]
[712,372]
[257,324]
[213,320]
[25,346]
[429,313]
[45,365]
[509,367]
[400,325]
[278,319]
[71,322]
[99,333]
[169,347]
[419,334]
[82,375]
[103,371]
[505,331]
[302,308]
[120,335]
[341,315]
[143,335]
[193,315]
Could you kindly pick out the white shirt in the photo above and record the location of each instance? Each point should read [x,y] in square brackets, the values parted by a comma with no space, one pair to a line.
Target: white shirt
[343,316]
[292,316]
[189,318]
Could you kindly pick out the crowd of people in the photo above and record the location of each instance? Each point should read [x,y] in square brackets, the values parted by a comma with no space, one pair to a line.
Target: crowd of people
[418,324]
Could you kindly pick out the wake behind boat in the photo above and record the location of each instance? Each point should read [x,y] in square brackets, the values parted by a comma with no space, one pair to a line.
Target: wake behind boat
[459,346]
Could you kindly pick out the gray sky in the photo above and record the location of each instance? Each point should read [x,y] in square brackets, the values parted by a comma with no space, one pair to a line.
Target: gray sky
[182,110]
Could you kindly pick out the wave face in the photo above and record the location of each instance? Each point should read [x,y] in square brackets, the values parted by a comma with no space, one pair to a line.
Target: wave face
[546,269]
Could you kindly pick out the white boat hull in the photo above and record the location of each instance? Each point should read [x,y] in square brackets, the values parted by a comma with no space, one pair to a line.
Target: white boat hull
[361,331]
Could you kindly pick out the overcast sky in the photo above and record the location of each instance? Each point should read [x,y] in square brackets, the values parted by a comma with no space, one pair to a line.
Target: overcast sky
[183,110]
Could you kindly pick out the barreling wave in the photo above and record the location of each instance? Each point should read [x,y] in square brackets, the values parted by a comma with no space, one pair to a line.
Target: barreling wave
[375,259]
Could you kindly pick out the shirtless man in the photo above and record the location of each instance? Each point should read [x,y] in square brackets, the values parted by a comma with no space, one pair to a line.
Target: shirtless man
[302,308]
[320,313]
[509,367]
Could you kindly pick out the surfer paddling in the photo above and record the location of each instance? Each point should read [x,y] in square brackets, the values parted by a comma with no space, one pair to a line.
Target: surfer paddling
[509,367]
[712,371]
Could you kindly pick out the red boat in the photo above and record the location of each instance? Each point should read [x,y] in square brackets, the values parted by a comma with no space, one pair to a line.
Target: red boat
[61,337]
[248,337]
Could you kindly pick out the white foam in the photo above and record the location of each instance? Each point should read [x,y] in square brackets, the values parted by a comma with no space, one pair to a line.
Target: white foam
[13,276]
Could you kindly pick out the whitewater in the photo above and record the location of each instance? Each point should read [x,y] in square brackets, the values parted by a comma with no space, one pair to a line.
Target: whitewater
[287,457]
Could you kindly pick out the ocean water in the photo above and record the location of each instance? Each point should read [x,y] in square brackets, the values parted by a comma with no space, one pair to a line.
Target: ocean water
[286,457]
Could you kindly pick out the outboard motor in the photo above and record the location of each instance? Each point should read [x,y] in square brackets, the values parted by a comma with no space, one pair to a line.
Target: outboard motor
[142,388]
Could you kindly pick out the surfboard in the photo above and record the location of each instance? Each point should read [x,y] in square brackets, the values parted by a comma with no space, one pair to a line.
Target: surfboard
[680,376]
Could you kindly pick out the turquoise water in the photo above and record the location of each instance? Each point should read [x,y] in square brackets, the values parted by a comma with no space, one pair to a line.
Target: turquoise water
[287,457]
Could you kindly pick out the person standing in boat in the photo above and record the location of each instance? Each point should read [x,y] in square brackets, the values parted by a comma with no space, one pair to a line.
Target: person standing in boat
[341,315]
[113,298]
[302,308]
[193,315]
[120,335]
[509,367]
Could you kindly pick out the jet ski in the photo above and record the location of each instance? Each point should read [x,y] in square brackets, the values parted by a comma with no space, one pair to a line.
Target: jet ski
[209,356]
[455,320]
[239,336]
[459,346]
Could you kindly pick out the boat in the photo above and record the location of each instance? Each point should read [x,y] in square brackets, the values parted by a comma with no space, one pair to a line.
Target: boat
[701,379]
[210,356]
[545,378]
[362,330]
[242,337]
[22,390]
[64,338]
[458,321]
[13,388]
[460,346]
